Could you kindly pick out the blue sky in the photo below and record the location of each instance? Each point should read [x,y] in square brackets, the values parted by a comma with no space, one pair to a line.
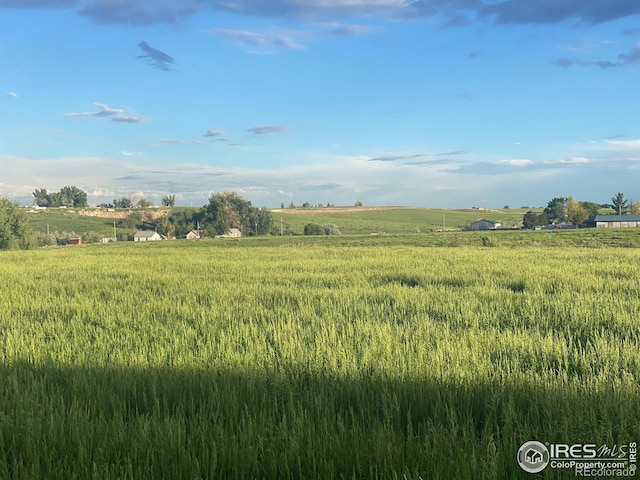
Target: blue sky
[438,103]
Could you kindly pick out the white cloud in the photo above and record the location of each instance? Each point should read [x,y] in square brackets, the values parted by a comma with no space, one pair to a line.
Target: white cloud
[126,153]
[11,95]
[516,162]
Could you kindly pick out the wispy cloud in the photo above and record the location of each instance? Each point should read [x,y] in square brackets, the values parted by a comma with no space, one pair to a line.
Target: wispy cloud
[181,141]
[397,157]
[126,153]
[103,111]
[11,95]
[263,40]
[345,29]
[267,129]
[631,58]
[129,119]
[213,132]
[156,58]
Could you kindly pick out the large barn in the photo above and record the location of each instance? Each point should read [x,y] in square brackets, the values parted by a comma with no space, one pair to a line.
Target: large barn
[484,225]
[617,221]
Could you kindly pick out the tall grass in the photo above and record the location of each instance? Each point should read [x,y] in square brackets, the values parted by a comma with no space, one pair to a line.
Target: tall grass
[211,360]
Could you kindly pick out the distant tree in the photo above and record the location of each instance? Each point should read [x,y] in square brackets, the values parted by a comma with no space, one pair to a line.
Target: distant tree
[106,205]
[532,219]
[123,202]
[15,232]
[41,198]
[72,196]
[282,205]
[506,207]
[144,203]
[292,205]
[634,207]
[261,221]
[619,203]
[314,229]
[592,209]
[557,209]
[306,205]
[168,200]
[576,213]
[229,210]
[358,203]
[69,196]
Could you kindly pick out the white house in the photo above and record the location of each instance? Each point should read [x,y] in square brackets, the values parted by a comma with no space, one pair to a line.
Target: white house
[146,236]
[194,234]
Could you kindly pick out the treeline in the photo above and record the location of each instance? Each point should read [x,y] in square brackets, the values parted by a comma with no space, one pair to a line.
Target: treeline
[224,211]
[68,196]
[579,213]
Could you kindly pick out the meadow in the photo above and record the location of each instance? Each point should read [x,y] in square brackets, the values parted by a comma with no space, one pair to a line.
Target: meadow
[362,357]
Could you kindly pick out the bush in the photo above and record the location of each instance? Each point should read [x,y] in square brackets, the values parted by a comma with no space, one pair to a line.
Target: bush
[314,229]
[331,229]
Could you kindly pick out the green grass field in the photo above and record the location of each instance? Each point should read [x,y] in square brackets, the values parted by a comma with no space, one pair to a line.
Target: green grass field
[391,220]
[346,357]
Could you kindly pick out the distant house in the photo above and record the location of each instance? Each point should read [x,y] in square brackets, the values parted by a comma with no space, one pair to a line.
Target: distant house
[108,240]
[194,234]
[75,241]
[233,233]
[146,236]
[484,225]
[617,221]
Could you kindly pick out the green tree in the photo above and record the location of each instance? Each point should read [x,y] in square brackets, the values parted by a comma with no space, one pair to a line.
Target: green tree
[532,219]
[592,209]
[556,210]
[144,203]
[620,204]
[576,213]
[41,198]
[229,210]
[72,196]
[169,201]
[123,202]
[15,231]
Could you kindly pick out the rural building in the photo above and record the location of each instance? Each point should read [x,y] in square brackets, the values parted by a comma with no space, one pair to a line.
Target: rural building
[108,240]
[617,221]
[233,233]
[146,236]
[484,225]
[194,234]
[75,241]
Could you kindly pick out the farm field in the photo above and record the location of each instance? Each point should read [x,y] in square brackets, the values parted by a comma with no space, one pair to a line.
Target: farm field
[350,221]
[349,357]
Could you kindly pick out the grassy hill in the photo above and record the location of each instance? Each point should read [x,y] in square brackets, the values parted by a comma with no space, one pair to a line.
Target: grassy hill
[350,220]
[359,220]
